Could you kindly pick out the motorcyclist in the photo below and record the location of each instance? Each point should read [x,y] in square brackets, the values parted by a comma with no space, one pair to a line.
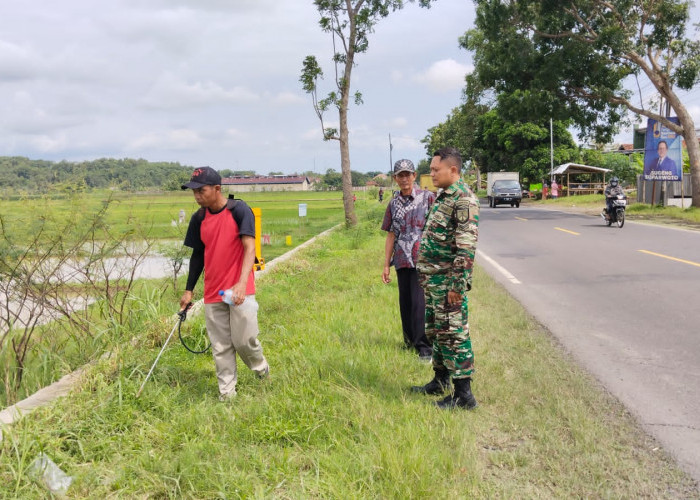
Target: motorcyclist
[611,191]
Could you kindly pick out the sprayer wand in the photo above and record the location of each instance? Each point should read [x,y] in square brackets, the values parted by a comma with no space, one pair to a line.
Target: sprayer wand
[181,317]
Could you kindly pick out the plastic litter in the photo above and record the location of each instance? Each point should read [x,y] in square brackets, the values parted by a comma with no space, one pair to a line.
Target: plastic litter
[45,471]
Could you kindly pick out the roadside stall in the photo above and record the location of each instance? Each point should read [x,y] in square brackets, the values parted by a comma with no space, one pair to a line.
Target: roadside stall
[576,178]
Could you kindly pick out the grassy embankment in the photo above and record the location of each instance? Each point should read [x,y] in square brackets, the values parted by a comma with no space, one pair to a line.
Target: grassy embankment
[52,354]
[335,419]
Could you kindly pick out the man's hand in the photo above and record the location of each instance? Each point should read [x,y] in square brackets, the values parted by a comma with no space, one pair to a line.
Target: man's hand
[239,293]
[454,297]
[186,299]
[385,274]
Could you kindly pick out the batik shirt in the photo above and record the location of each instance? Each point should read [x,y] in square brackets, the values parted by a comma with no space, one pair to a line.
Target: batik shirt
[405,217]
[448,244]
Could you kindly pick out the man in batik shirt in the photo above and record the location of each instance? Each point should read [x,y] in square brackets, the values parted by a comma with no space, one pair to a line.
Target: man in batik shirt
[403,221]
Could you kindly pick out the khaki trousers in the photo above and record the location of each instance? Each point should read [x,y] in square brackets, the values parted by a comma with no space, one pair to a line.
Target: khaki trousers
[234,329]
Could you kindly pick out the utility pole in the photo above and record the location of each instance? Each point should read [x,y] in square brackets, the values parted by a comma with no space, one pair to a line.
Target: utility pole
[551,151]
[391,162]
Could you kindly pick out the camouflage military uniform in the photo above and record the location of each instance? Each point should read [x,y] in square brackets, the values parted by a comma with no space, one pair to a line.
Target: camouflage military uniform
[445,262]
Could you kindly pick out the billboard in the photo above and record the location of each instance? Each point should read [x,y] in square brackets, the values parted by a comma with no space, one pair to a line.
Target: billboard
[662,152]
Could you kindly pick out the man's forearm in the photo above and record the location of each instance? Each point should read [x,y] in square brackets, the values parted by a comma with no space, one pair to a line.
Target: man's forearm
[195,269]
[389,248]
[248,258]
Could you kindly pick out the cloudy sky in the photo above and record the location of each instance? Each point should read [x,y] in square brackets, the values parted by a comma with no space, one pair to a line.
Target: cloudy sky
[216,82]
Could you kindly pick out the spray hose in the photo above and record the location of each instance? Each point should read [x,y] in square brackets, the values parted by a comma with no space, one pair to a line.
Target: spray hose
[183,315]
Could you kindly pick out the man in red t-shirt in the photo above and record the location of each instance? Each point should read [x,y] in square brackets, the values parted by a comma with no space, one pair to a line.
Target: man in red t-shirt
[223,246]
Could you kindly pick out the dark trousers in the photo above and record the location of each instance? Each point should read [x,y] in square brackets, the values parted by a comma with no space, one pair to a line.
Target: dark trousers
[412,307]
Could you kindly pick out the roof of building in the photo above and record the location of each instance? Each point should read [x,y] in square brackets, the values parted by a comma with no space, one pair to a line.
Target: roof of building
[264,179]
[577,168]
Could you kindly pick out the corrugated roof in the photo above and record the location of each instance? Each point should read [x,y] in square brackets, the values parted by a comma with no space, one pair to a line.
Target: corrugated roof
[276,179]
[577,168]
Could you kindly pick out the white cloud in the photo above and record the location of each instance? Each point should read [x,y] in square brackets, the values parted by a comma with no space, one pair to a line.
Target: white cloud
[25,116]
[234,133]
[315,134]
[398,122]
[694,111]
[17,62]
[214,81]
[287,98]
[47,144]
[169,91]
[178,139]
[444,75]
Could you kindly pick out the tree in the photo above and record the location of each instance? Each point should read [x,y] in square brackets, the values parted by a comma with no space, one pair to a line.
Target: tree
[496,143]
[333,180]
[349,22]
[624,167]
[458,130]
[568,59]
[521,146]
[358,178]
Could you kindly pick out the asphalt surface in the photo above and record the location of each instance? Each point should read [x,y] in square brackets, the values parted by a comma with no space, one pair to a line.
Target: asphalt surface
[625,302]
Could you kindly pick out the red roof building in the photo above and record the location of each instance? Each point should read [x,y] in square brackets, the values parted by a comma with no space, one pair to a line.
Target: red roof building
[267,183]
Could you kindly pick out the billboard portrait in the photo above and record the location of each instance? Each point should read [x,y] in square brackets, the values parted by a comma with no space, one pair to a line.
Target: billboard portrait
[663,160]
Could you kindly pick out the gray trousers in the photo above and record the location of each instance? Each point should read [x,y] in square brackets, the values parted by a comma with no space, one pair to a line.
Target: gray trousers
[234,329]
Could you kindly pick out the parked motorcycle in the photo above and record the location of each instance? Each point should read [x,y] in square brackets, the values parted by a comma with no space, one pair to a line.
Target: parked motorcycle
[617,215]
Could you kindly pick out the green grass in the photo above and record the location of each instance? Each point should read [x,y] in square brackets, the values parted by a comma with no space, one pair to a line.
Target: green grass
[336,420]
[155,213]
[55,352]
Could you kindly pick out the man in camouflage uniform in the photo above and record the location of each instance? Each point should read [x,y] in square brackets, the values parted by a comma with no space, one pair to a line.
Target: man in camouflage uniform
[445,262]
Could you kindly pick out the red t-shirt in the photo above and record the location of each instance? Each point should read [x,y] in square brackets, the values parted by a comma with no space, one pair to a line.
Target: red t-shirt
[220,236]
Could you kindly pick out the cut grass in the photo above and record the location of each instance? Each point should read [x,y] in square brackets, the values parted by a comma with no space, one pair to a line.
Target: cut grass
[336,419]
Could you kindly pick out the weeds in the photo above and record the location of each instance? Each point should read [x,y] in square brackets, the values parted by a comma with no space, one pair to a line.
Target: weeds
[336,418]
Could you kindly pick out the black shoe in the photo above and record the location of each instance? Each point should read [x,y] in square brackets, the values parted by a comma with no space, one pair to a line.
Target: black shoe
[425,356]
[439,384]
[462,397]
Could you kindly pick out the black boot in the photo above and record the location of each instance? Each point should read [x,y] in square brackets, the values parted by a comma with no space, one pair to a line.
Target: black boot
[439,384]
[462,397]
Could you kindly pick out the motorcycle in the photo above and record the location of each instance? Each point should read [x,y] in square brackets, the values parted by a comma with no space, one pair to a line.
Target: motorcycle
[617,215]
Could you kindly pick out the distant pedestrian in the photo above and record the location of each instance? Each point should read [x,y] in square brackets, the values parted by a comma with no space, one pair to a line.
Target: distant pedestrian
[222,239]
[381,195]
[445,262]
[403,221]
[545,190]
[181,218]
[555,190]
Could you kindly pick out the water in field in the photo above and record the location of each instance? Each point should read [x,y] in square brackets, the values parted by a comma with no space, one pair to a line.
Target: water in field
[28,310]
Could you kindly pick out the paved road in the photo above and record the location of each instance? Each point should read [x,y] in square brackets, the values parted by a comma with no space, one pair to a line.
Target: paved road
[624,301]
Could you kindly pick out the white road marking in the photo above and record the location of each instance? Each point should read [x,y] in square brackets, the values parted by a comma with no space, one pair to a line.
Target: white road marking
[499,268]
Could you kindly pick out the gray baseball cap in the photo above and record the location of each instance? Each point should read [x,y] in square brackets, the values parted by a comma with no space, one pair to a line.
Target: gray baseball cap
[404,166]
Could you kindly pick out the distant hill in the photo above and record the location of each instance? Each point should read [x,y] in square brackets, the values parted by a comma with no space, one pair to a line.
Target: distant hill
[22,174]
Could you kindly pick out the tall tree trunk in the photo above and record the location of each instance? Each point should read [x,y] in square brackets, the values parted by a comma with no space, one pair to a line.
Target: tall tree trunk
[691,142]
[348,203]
